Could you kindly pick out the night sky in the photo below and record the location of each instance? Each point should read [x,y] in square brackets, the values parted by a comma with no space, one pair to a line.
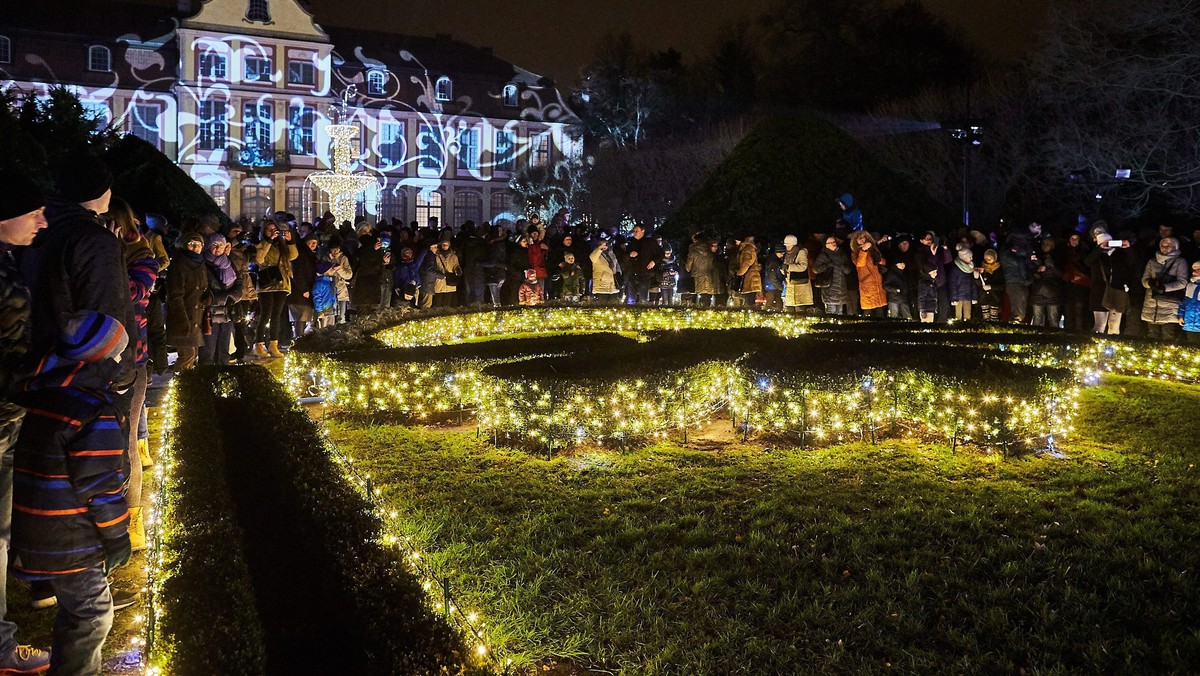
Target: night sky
[555,38]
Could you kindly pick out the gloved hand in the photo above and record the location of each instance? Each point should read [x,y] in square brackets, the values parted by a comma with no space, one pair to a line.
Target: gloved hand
[116,553]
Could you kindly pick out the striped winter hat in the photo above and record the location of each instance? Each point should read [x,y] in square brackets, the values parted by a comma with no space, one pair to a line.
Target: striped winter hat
[91,337]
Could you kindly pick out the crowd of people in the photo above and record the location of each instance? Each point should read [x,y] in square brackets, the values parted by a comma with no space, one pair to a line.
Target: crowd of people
[1085,278]
[95,296]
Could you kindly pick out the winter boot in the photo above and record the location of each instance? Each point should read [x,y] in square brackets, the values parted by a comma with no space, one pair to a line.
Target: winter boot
[137,529]
[144,453]
[273,349]
[260,351]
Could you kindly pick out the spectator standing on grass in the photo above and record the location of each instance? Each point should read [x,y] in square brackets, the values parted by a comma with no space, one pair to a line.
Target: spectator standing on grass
[304,275]
[700,265]
[1045,294]
[406,276]
[448,274]
[1113,271]
[797,292]
[897,279]
[991,287]
[370,264]
[22,215]
[225,290]
[1077,284]
[748,271]
[867,262]
[1017,260]
[832,268]
[962,283]
[274,256]
[70,515]
[772,276]
[187,300]
[604,271]
[933,295]
[642,257]
[240,255]
[1189,307]
[494,263]
[1165,278]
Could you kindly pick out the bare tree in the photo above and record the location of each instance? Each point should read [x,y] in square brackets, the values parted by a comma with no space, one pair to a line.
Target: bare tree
[1118,88]
[617,94]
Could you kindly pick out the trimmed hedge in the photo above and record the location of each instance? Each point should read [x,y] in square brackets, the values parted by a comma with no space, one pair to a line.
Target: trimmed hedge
[387,602]
[785,178]
[209,622]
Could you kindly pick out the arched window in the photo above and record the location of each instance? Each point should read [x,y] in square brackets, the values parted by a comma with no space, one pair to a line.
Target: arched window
[376,79]
[504,209]
[429,207]
[99,59]
[445,89]
[393,203]
[258,10]
[5,49]
[468,206]
[509,96]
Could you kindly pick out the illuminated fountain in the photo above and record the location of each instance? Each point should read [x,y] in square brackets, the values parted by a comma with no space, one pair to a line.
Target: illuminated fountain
[342,184]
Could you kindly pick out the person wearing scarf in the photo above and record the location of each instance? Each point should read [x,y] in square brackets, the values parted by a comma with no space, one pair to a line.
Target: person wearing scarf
[1165,278]
[963,283]
[225,286]
[991,278]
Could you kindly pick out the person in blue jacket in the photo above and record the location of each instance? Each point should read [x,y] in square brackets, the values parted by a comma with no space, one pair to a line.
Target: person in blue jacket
[1189,307]
[850,212]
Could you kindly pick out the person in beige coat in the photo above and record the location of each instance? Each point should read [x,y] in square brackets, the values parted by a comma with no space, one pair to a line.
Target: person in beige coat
[749,270]
[274,256]
[604,272]
[798,287]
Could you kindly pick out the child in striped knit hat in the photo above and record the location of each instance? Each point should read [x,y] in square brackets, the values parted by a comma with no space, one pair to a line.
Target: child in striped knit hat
[70,518]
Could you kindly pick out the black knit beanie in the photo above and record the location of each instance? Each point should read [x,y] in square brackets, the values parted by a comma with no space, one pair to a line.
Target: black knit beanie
[18,195]
[83,178]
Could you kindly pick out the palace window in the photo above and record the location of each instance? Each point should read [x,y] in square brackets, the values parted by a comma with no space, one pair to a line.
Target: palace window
[258,69]
[444,89]
[213,125]
[213,66]
[258,10]
[376,80]
[509,95]
[302,73]
[468,149]
[99,59]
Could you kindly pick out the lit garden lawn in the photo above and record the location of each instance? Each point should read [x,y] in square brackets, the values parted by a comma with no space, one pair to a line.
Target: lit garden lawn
[850,558]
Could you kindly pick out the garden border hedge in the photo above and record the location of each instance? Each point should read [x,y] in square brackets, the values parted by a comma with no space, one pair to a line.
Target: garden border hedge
[209,622]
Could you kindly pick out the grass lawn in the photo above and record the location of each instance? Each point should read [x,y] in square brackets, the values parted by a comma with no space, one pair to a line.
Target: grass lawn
[741,559]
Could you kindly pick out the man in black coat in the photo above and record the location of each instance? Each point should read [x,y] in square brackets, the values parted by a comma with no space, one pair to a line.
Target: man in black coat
[642,256]
[77,263]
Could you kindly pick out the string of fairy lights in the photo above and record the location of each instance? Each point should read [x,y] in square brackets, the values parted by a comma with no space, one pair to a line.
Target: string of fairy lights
[158,514]
[812,409]
[468,623]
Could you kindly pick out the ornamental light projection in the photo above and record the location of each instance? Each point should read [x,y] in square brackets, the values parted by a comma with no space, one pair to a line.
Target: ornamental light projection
[342,183]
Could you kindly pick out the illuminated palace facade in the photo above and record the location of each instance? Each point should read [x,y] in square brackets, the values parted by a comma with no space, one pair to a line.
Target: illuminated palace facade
[237,92]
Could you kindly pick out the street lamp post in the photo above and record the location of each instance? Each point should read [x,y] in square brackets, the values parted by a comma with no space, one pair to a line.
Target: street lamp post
[969,133]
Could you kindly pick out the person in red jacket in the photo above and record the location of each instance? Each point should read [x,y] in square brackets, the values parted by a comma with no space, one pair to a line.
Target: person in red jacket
[70,517]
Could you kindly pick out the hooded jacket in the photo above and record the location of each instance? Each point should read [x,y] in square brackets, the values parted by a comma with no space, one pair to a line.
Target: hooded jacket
[70,469]
[78,264]
[852,214]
